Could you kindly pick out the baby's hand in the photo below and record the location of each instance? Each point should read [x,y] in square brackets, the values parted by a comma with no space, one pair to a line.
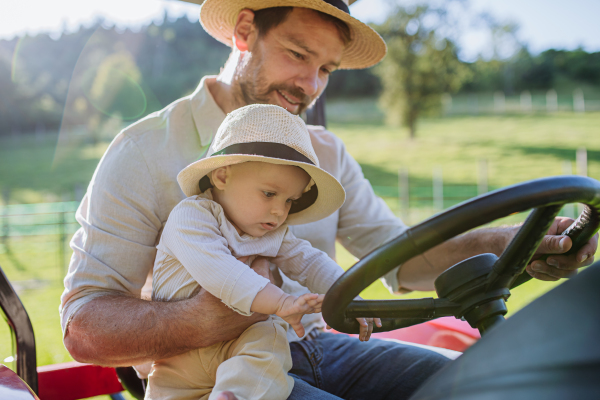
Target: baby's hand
[292,309]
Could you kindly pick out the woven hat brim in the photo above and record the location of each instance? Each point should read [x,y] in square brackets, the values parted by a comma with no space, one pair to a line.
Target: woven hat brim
[331,193]
[365,49]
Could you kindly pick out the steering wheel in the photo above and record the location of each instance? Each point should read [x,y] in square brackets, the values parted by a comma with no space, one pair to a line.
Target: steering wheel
[474,289]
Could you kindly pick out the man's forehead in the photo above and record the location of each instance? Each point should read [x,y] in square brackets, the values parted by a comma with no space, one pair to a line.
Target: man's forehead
[316,36]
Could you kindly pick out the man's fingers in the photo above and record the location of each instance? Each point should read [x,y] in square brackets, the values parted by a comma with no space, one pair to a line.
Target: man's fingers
[588,250]
[542,271]
[566,262]
[541,276]
[261,266]
[377,322]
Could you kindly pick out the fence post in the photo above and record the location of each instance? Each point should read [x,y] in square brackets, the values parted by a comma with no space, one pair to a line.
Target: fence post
[482,177]
[551,101]
[404,194]
[499,102]
[569,209]
[62,236]
[447,103]
[526,105]
[474,103]
[5,224]
[61,243]
[578,101]
[582,169]
[79,191]
[582,161]
[438,189]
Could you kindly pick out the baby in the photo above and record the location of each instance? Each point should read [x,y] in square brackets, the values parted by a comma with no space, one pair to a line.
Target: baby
[261,175]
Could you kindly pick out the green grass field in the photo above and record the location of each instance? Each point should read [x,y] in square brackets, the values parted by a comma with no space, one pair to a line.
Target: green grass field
[517,148]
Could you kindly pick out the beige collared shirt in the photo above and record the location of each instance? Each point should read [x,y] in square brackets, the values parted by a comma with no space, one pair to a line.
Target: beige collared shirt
[135,188]
[199,246]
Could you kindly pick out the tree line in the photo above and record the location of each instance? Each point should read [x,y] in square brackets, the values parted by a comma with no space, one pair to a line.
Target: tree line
[100,76]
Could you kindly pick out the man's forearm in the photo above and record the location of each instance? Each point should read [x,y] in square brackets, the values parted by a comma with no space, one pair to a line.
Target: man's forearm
[420,272]
[118,330]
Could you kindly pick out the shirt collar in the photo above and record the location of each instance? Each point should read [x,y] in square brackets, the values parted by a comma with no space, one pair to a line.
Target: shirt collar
[206,113]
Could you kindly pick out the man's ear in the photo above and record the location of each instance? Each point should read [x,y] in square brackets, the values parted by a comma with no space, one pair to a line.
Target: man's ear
[244,32]
[219,177]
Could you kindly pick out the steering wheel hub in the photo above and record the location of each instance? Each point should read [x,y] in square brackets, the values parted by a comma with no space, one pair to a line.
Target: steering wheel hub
[465,274]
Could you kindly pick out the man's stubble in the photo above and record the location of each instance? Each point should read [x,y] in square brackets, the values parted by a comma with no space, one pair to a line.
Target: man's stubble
[255,87]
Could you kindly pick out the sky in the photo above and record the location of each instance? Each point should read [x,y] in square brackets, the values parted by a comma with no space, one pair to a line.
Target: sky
[543,24]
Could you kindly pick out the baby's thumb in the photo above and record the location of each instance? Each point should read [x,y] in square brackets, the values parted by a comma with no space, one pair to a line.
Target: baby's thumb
[299,329]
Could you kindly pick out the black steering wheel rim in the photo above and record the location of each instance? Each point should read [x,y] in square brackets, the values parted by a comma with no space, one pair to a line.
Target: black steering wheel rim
[339,309]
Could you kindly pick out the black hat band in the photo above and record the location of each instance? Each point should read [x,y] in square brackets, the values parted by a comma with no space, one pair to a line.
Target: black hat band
[271,150]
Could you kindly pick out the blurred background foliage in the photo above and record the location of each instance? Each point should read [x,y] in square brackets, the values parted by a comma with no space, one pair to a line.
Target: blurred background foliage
[96,75]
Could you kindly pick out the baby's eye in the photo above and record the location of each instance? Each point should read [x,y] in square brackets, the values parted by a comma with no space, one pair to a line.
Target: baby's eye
[291,200]
[269,194]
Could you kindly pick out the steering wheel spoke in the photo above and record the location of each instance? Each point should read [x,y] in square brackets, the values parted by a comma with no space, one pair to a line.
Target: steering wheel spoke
[422,309]
[520,250]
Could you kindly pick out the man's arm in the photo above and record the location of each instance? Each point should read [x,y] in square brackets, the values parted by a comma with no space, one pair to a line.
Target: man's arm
[420,272]
[119,330]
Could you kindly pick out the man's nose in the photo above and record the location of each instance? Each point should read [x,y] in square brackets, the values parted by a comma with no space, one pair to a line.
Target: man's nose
[309,82]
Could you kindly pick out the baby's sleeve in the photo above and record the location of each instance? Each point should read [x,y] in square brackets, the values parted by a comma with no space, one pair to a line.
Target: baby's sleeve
[192,236]
[307,265]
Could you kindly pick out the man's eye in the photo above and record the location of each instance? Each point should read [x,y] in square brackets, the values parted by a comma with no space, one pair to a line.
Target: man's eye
[269,194]
[297,55]
[326,71]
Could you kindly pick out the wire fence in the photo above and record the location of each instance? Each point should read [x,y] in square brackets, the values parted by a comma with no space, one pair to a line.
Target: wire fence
[36,231]
[524,103]
[26,224]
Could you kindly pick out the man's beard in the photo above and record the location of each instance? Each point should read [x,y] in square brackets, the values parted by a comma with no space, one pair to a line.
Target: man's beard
[256,90]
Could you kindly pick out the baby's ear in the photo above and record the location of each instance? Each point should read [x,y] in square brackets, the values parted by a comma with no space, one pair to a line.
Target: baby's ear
[219,177]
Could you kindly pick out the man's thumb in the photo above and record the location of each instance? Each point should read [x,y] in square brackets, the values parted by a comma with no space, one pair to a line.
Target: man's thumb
[554,244]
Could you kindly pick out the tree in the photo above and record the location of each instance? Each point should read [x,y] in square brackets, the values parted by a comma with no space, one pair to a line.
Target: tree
[421,64]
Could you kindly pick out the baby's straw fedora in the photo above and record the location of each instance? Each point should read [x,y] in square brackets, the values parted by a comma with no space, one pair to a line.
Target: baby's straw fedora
[365,49]
[268,133]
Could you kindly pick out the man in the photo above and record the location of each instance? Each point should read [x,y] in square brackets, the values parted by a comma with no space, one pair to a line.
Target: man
[280,56]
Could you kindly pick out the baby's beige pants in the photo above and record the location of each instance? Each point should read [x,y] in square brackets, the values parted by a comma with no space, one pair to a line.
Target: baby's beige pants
[253,366]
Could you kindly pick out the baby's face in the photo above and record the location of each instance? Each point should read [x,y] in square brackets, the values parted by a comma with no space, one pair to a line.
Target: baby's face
[257,196]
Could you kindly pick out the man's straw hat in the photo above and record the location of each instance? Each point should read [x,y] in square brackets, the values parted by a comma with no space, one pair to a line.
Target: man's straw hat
[365,49]
[268,133]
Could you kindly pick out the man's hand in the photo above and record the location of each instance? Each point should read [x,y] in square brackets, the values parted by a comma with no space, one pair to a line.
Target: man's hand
[140,331]
[233,323]
[558,266]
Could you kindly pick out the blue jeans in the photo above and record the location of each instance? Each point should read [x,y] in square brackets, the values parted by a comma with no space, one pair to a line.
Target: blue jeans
[333,366]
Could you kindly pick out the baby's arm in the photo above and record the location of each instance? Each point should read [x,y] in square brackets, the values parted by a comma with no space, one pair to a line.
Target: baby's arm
[273,300]
[314,269]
